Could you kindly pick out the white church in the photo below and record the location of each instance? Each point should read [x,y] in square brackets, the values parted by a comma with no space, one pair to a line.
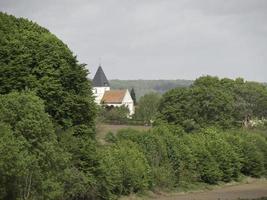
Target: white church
[106,96]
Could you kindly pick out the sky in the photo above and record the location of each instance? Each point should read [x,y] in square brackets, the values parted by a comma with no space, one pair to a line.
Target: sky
[158,39]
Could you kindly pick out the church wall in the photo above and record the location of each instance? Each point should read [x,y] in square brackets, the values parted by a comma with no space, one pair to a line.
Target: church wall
[99,93]
[128,102]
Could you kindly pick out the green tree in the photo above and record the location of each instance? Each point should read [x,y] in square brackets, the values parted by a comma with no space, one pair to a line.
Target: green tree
[147,107]
[133,95]
[211,101]
[115,114]
[197,107]
[38,163]
[31,58]
[124,170]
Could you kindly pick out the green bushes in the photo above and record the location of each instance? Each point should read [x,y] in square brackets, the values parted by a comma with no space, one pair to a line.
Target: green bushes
[31,162]
[176,160]
[124,170]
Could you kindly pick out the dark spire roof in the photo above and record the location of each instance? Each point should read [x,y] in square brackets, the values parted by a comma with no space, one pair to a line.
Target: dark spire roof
[100,79]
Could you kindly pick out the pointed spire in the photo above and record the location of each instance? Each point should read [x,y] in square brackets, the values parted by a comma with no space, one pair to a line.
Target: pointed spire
[100,79]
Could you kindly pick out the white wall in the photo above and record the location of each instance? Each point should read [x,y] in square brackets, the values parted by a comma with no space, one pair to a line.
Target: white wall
[128,102]
[99,93]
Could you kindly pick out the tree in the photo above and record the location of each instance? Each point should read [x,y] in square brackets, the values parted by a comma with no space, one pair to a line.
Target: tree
[251,101]
[31,58]
[197,107]
[148,107]
[33,164]
[212,101]
[119,114]
[133,95]
[124,170]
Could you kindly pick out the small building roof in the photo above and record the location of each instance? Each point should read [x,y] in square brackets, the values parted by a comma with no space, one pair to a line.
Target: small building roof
[113,96]
[100,79]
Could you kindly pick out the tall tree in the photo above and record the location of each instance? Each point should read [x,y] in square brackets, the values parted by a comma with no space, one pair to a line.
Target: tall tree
[148,107]
[31,164]
[133,95]
[31,58]
[214,101]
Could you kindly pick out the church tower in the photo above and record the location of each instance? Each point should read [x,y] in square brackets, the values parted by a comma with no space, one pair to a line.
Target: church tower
[100,85]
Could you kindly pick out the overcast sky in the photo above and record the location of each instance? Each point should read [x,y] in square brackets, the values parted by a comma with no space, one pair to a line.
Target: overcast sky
[158,39]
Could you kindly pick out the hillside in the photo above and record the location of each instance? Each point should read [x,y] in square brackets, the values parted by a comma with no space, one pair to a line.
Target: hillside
[142,87]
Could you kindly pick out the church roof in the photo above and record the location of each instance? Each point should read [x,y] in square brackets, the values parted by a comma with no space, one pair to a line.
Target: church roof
[113,96]
[100,79]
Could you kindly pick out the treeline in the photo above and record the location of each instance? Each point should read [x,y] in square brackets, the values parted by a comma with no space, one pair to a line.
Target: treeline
[143,87]
[168,158]
[208,101]
[218,102]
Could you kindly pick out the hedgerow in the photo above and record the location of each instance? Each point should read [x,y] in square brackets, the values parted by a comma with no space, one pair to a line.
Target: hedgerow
[209,156]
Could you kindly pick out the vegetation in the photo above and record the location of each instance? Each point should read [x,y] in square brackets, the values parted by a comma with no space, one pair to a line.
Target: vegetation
[133,95]
[47,116]
[117,115]
[209,156]
[31,58]
[210,101]
[32,164]
[147,108]
[47,133]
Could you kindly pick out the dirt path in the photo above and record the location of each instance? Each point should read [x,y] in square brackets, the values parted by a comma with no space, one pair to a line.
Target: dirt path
[254,189]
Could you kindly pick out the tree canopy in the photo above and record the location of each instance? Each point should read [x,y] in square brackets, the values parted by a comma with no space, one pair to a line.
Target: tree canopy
[31,58]
[31,164]
[148,107]
[214,101]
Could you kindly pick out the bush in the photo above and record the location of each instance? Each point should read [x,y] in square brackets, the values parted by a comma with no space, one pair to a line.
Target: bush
[124,170]
[116,114]
[207,168]
[224,154]
[251,150]
[154,148]
[110,137]
[39,163]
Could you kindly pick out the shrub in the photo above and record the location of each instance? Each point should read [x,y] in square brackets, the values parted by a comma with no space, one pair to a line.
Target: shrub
[124,169]
[207,169]
[110,137]
[224,154]
[154,148]
[40,161]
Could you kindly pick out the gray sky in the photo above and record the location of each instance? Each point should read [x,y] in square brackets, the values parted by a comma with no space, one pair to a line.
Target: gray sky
[158,39]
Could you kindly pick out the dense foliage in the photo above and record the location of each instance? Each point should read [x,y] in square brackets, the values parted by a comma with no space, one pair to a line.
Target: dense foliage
[124,170]
[31,58]
[213,101]
[115,115]
[47,116]
[209,156]
[31,164]
[147,107]
[133,95]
